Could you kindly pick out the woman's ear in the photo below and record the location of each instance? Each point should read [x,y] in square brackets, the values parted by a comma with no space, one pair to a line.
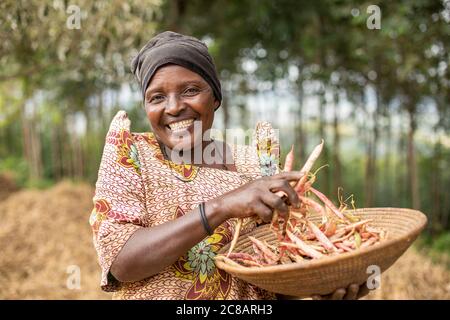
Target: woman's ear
[216,104]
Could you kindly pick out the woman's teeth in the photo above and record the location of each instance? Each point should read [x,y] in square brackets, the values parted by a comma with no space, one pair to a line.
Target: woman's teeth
[180,125]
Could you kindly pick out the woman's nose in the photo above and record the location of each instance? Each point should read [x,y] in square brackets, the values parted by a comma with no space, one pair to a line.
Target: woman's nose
[174,106]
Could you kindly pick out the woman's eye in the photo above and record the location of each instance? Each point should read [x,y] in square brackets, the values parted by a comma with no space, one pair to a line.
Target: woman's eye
[156,99]
[191,91]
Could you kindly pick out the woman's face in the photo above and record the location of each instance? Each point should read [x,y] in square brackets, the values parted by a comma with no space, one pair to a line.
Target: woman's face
[174,99]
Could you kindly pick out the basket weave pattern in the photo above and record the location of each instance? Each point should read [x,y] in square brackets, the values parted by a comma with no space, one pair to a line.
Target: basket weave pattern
[323,276]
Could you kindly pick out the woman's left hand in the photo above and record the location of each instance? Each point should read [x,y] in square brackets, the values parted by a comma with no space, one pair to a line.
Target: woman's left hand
[354,291]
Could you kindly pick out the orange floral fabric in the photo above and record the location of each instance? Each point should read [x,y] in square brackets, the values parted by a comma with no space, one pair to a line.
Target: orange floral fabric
[138,188]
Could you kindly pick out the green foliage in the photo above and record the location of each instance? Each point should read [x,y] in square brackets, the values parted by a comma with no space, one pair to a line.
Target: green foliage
[442,243]
[437,247]
[17,166]
[39,184]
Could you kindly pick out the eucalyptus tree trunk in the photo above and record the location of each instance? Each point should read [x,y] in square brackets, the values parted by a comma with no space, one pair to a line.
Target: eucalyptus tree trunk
[226,113]
[322,135]
[412,167]
[389,174]
[31,136]
[56,151]
[300,137]
[337,168]
[435,181]
[371,181]
[176,13]
[439,190]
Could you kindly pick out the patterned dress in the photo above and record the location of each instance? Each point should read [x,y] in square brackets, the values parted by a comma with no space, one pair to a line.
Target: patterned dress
[138,188]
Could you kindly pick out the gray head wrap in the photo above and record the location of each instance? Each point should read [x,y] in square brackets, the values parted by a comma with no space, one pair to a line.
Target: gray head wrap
[174,48]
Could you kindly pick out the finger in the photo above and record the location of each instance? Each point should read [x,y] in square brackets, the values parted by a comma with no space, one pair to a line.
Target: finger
[276,203]
[338,294]
[352,292]
[284,186]
[263,211]
[316,297]
[289,176]
[363,291]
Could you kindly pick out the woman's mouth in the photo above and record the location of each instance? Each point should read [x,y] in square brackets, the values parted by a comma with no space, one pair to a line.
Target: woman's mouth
[180,125]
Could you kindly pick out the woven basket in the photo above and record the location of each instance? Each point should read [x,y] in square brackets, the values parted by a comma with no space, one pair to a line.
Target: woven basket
[325,275]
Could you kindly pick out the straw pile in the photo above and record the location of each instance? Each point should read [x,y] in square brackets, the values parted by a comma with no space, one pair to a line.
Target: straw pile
[414,276]
[43,233]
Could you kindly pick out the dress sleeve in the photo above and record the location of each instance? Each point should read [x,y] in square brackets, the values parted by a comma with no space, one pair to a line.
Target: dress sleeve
[119,200]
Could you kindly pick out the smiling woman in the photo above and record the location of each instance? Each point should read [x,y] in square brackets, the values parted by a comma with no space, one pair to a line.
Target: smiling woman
[160,213]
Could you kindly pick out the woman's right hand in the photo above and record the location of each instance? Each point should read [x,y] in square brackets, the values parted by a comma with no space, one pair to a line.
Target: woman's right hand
[259,197]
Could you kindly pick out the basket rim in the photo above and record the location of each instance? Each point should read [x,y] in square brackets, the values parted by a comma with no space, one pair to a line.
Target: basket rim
[414,232]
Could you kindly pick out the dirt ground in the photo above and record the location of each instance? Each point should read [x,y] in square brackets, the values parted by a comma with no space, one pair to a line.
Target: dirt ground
[45,236]
[7,185]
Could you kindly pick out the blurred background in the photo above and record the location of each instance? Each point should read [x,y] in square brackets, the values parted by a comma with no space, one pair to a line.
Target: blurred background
[371,78]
